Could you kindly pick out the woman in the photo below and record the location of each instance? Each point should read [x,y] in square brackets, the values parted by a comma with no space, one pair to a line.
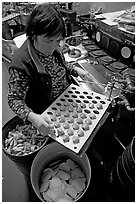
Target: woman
[38,73]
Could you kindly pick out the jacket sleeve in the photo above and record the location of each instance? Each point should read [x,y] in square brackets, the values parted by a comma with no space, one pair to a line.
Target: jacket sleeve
[18,86]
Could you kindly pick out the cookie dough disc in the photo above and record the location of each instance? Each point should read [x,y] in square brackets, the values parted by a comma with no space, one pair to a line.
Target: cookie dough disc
[57,124]
[46,197]
[73,175]
[58,113]
[60,132]
[99,106]
[70,119]
[66,104]
[74,104]
[85,127]
[79,110]
[55,182]
[79,172]
[75,126]
[67,114]
[91,105]
[70,163]
[81,133]
[66,125]
[56,193]
[80,121]
[64,166]
[83,115]
[44,186]
[78,184]
[88,121]
[70,109]
[71,190]
[63,175]
[50,194]
[47,174]
[62,108]
[53,118]
[66,138]
[75,115]
[70,132]
[75,140]
[92,116]
[62,119]
[83,105]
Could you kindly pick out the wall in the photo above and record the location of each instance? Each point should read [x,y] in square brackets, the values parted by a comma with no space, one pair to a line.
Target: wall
[85,7]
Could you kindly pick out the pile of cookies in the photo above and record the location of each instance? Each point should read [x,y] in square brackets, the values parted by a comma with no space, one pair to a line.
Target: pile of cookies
[63,181]
[23,140]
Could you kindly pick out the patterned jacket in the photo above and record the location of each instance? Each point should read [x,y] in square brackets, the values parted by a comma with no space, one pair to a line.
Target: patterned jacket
[38,96]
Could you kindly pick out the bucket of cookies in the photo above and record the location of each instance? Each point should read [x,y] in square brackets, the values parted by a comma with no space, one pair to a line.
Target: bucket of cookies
[21,142]
[60,175]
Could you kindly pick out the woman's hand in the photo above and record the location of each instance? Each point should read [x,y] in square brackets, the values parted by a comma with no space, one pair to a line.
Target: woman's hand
[43,124]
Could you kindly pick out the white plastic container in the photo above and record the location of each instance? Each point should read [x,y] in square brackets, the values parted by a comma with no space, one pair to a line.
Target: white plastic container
[52,153]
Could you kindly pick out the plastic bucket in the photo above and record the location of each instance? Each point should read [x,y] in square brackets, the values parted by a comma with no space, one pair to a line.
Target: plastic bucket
[22,162]
[52,153]
[122,174]
[128,161]
[125,167]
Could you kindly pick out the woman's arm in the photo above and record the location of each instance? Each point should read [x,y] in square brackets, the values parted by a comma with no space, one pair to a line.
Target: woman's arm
[18,86]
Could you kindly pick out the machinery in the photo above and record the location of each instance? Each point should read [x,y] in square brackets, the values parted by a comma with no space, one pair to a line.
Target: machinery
[108,55]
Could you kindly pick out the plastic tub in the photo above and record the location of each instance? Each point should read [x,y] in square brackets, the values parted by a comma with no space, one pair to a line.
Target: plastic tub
[128,161]
[22,162]
[125,168]
[52,153]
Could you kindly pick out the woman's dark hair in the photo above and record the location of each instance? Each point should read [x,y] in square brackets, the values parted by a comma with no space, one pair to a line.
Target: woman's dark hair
[46,20]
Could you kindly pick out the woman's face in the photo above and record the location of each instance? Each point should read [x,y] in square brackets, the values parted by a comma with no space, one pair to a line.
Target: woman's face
[47,45]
